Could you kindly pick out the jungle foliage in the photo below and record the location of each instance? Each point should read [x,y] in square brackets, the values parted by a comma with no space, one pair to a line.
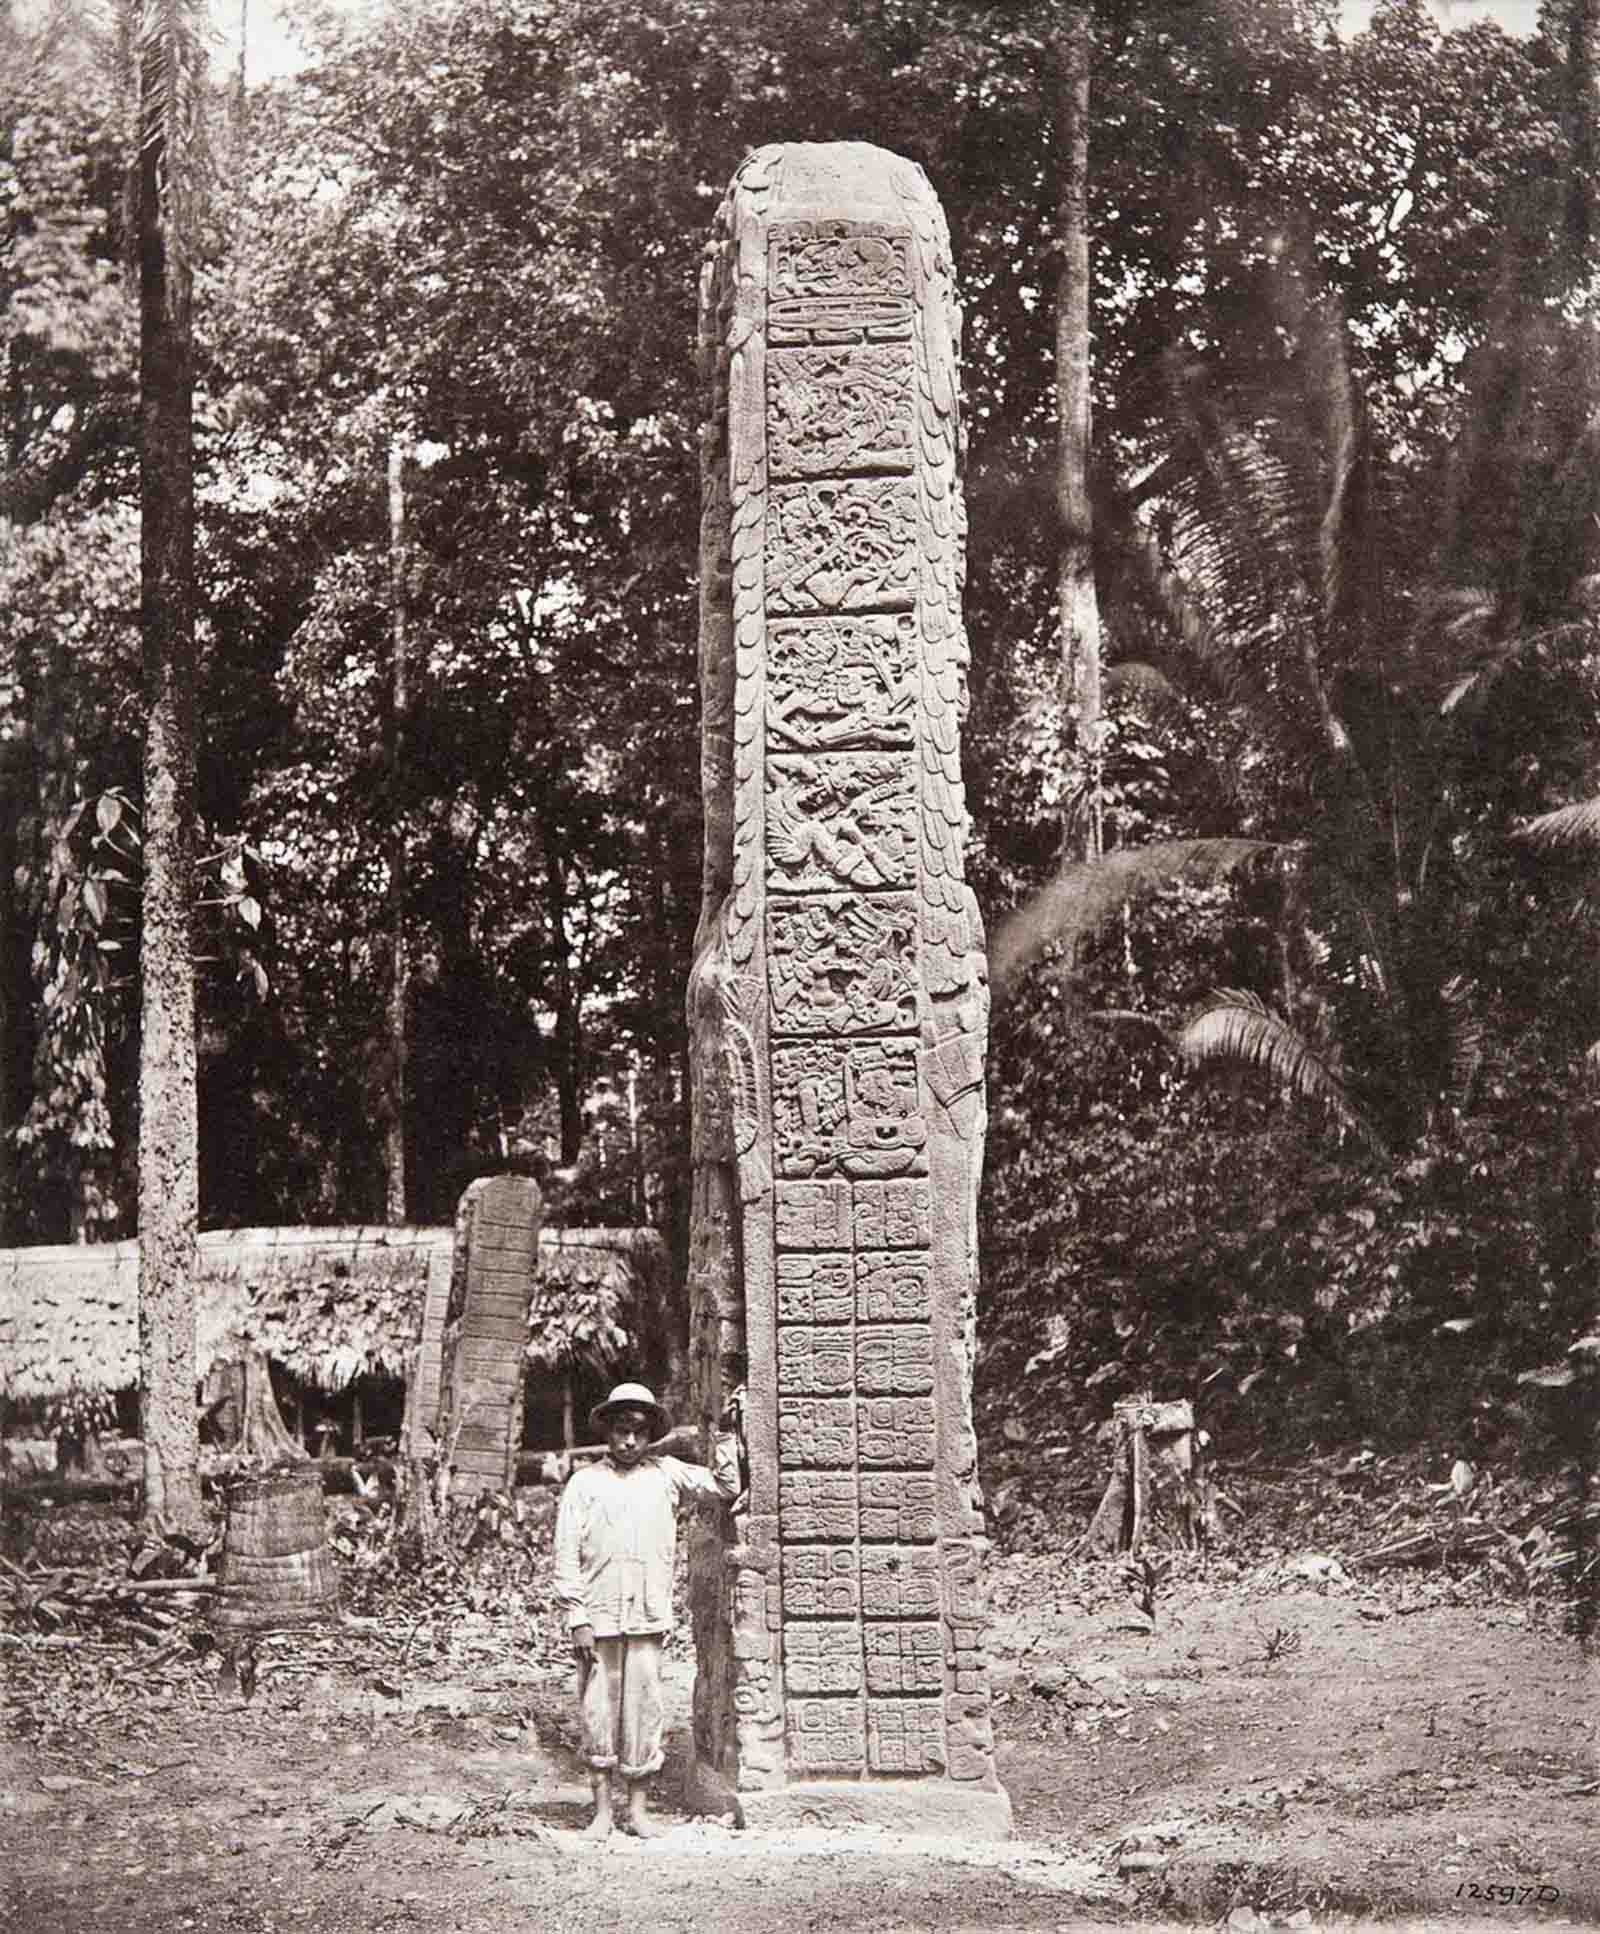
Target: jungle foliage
[1289,1101]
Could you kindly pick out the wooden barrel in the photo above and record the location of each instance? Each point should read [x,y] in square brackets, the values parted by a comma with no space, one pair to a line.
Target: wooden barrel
[276,1570]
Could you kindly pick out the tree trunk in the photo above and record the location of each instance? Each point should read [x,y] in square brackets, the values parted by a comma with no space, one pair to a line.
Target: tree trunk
[262,1433]
[168,1129]
[1580,75]
[1158,1482]
[16,1042]
[1079,610]
[395,1101]
[416,1468]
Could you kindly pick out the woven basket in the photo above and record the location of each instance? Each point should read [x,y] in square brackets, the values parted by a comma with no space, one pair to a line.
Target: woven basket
[276,1572]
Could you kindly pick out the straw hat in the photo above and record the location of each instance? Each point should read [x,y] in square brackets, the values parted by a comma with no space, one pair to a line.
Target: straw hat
[632,1396]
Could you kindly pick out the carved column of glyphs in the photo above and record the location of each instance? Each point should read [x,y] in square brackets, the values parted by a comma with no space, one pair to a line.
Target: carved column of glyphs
[838,1007]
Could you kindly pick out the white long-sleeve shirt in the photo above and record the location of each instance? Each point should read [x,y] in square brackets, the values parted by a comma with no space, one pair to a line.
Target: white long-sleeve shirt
[617,1536]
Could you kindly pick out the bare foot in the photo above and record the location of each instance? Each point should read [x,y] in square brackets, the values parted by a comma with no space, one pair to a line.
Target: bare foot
[637,1821]
[599,1828]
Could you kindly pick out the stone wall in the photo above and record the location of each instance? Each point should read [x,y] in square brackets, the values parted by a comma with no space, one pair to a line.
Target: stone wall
[837,1009]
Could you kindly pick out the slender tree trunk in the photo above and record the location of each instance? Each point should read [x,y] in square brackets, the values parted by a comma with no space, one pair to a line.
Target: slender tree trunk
[568,1042]
[395,1108]
[168,1126]
[12,956]
[1580,63]
[1079,611]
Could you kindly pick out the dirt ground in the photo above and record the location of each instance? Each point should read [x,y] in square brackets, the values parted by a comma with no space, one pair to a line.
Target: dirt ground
[1285,1748]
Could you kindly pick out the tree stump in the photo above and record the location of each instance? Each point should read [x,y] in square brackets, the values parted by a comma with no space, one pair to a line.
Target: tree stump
[1158,1480]
[416,1470]
[276,1572]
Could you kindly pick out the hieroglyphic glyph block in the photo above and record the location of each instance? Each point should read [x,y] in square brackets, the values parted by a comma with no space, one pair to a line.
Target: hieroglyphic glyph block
[826,1735]
[838,1002]
[898,1431]
[814,1360]
[816,1288]
[904,1657]
[816,1434]
[899,1581]
[891,1215]
[898,1506]
[812,1215]
[895,1359]
[893,1287]
[820,1506]
[824,1657]
[821,1581]
[905,1736]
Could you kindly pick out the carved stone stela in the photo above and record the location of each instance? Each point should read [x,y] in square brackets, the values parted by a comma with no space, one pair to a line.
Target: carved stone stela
[838,1010]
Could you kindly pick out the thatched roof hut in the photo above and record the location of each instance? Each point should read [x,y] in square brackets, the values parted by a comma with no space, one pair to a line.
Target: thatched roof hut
[327,1304]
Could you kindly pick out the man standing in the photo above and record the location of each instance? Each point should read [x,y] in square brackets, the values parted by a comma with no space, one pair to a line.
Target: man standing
[616,1538]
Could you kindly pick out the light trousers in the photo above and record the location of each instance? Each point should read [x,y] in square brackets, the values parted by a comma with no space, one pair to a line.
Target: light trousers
[619,1700]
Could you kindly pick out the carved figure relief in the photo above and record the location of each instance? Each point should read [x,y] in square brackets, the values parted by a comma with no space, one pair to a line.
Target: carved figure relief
[837,257]
[842,544]
[847,1109]
[842,683]
[840,819]
[840,407]
[843,965]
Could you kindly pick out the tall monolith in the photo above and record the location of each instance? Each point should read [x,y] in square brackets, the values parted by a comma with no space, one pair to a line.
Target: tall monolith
[838,1012]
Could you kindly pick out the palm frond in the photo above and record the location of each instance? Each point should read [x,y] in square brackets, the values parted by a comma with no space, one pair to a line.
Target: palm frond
[1466,1036]
[1145,686]
[1460,647]
[1239,1029]
[1574,825]
[1239,527]
[1179,609]
[1250,520]
[1128,1017]
[172,48]
[155,55]
[1087,893]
